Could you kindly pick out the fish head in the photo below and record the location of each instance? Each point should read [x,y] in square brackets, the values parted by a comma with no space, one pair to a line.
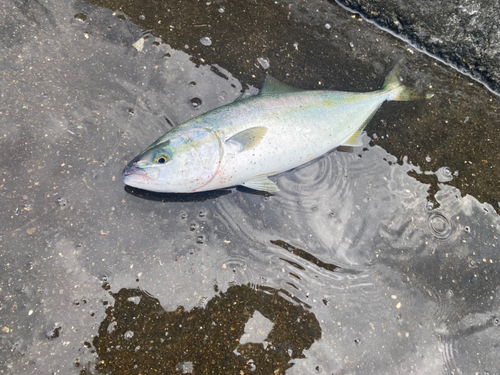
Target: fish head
[181,161]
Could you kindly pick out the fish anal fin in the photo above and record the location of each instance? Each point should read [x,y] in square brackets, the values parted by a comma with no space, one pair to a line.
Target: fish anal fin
[261,183]
[247,139]
[272,87]
[355,139]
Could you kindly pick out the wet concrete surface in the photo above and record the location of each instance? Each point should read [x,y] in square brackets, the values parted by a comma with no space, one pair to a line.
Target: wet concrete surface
[147,338]
[337,53]
[463,33]
[379,260]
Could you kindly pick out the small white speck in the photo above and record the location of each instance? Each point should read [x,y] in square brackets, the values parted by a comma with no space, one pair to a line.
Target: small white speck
[139,45]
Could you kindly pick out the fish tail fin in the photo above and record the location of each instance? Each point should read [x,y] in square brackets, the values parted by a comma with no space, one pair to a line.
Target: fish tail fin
[393,83]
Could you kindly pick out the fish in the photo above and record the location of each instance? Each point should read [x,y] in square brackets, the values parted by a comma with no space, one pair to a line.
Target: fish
[247,141]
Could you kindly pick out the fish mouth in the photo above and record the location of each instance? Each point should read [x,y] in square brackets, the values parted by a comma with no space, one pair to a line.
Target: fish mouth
[129,171]
[135,176]
[133,169]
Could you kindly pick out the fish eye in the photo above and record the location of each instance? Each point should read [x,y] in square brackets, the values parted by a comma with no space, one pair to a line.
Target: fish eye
[161,159]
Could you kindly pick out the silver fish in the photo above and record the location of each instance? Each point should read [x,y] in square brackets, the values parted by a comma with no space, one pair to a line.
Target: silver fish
[245,142]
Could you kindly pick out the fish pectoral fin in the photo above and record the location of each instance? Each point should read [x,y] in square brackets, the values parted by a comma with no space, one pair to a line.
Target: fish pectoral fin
[247,139]
[272,87]
[262,183]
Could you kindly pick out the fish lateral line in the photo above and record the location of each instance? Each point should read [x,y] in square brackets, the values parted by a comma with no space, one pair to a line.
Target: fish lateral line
[284,126]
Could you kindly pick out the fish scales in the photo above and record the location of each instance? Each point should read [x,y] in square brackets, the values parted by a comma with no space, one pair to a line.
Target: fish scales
[245,142]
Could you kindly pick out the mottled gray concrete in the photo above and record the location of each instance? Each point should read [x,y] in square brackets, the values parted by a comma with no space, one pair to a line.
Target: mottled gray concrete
[464,33]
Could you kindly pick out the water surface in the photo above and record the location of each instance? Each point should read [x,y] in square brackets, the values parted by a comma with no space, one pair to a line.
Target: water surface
[364,263]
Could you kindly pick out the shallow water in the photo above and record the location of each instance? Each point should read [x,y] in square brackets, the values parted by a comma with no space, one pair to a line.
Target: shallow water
[352,268]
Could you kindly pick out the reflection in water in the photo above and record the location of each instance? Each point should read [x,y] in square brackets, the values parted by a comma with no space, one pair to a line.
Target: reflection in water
[324,176]
[304,255]
[139,337]
[350,245]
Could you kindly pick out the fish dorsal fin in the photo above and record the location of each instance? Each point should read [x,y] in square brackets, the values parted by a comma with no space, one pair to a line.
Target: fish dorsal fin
[261,183]
[244,95]
[272,87]
[246,139]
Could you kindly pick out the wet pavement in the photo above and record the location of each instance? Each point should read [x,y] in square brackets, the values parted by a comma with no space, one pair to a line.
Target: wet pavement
[462,33]
[383,259]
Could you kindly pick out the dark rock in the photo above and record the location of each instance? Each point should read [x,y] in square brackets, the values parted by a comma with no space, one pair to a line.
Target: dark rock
[464,33]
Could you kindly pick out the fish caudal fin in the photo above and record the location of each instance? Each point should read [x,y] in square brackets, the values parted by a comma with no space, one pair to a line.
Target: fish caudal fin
[401,92]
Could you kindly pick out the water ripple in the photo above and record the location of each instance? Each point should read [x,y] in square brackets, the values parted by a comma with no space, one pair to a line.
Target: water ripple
[448,354]
[440,226]
[323,178]
[234,270]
